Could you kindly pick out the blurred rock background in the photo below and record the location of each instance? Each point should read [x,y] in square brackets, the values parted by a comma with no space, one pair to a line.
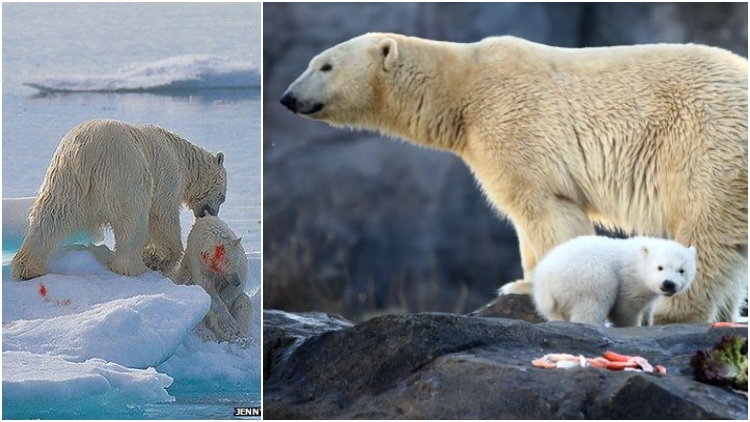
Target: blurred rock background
[359,225]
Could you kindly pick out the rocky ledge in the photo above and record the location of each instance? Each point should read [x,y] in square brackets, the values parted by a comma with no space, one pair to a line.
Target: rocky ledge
[478,366]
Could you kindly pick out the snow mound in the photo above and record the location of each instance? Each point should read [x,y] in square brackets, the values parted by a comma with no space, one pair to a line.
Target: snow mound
[133,321]
[34,384]
[194,71]
[227,364]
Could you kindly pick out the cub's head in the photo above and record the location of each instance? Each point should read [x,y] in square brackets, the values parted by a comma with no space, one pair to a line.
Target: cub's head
[222,257]
[343,84]
[667,266]
[210,190]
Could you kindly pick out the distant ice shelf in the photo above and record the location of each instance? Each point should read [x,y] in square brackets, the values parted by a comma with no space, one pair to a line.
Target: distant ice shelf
[186,72]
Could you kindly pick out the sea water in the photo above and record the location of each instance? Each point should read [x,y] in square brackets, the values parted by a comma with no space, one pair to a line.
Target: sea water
[192,68]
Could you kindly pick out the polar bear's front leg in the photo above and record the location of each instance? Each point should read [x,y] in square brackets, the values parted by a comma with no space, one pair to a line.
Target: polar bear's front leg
[165,245]
[219,320]
[542,227]
[130,238]
[528,263]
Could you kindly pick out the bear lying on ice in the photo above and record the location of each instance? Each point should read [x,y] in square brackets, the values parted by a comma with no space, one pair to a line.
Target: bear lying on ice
[132,177]
[593,278]
[215,260]
[649,139]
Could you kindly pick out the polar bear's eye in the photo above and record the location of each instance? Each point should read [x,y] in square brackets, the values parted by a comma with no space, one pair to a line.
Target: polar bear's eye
[660,268]
[682,271]
[326,67]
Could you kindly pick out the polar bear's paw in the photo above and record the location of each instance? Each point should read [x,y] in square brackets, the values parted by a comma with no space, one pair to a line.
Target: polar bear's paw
[157,261]
[224,326]
[130,265]
[25,266]
[518,287]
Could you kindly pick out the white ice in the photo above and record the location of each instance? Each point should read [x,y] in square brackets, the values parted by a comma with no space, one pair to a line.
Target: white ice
[33,382]
[93,341]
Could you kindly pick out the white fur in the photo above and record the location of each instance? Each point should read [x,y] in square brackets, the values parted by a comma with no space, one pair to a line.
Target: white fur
[648,139]
[132,177]
[224,279]
[593,278]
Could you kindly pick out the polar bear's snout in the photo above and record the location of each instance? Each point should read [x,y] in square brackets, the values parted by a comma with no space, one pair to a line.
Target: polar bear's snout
[290,101]
[668,287]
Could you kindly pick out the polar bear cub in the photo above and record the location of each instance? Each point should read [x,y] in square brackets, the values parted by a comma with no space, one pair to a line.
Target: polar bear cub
[215,260]
[593,278]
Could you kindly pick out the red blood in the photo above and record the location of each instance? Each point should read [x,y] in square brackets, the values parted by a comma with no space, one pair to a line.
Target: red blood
[43,290]
[218,258]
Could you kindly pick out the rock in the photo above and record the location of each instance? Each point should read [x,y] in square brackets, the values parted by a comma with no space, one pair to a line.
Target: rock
[442,366]
[282,331]
[510,306]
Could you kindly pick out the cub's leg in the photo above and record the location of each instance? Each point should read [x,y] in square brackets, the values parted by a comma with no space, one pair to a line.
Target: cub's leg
[589,311]
[219,320]
[242,311]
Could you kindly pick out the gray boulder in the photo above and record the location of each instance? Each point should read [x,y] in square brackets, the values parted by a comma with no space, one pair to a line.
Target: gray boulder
[441,366]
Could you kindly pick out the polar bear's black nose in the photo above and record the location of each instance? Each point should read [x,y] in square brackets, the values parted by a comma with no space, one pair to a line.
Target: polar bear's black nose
[668,286]
[289,101]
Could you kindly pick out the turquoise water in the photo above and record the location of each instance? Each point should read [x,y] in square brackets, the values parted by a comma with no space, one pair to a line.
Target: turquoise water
[42,40]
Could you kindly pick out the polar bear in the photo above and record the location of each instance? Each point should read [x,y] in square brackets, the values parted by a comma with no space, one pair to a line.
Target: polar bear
[215,260]
[647,139]
[132,177]
[593,278]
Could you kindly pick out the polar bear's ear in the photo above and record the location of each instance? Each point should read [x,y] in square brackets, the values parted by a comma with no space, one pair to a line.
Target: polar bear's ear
[220,158]
[387,52]
[236,242]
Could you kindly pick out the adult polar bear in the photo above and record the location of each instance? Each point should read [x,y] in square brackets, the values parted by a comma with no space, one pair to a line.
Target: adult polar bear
[133,177]
[650,139]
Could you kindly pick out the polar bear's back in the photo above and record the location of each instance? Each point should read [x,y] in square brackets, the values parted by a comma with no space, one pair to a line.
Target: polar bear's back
[579,252]
[665,59]
[587,268]
[94,156]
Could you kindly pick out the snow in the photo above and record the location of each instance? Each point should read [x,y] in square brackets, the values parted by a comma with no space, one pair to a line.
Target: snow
[82,340]
[155,323]
[194,71]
